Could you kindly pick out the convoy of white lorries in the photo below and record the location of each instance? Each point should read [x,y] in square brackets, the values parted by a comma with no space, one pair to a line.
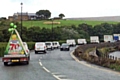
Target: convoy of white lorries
[94,39]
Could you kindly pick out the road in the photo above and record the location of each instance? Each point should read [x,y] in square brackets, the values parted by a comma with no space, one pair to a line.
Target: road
[55,65]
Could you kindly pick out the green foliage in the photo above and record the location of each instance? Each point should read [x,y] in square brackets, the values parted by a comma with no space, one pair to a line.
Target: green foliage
[29,24]
[2,48]
[31,45]
[67,29]
[61,15]
[43,14]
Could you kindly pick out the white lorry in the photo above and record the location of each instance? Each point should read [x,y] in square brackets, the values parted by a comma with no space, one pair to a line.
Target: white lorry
[108,38]
[94,39]
[71,42]
[116,37]
[81,41]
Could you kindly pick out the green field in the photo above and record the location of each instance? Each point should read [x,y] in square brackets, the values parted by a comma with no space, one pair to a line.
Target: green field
[62,23]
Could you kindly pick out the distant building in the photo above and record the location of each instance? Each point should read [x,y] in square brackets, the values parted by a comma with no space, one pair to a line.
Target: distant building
[10,18]
[25,16]
[56,18]
[32,16]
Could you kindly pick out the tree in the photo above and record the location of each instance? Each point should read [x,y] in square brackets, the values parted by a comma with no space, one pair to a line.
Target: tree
[61,15]
[3,18]
[43,14]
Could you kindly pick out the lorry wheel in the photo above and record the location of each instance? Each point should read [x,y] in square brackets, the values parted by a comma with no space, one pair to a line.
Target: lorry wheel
[6,63]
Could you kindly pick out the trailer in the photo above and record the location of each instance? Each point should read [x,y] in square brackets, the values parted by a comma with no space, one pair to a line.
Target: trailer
[94,39]
[71,42]
[116,37]
[15,50]
[81,41]
[108,38]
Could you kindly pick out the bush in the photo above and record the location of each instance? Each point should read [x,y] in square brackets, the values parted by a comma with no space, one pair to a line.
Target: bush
[31,45]
[62,41]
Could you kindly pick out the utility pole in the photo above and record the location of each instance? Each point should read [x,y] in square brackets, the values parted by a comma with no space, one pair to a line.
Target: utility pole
[21,18]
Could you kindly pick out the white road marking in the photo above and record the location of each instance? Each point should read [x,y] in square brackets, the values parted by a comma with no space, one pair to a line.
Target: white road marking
[56,77]
[66,79]
[55,73]
[40,64]
[61,76]
[46,69]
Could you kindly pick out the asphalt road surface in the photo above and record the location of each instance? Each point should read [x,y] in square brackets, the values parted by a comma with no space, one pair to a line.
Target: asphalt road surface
[55,65]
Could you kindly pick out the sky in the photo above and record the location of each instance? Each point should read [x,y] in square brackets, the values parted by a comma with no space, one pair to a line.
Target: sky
[70,8]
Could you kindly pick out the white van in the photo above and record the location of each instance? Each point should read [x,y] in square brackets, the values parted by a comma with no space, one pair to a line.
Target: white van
[81,41]
[56,44]
[40,47]
[71,42]
[49,45]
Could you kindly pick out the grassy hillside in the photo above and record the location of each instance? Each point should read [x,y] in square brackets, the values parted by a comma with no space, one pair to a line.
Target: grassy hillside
[62,23]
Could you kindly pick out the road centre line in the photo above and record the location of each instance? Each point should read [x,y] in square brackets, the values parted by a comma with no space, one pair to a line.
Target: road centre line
[66,79]
[40,64]
[61,76]
[56,77]
[46,69]
[55,73]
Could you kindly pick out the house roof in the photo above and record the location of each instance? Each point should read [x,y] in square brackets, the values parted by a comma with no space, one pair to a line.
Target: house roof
[31,14]
[25,13]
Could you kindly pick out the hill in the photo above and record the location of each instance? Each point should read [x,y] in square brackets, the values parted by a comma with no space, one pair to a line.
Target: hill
[104,18]
[66,22]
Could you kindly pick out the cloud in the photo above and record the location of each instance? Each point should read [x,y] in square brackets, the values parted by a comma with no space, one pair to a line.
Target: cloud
[71,8]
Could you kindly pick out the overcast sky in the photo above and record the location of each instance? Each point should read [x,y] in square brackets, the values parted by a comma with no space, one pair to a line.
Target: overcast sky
[70,8]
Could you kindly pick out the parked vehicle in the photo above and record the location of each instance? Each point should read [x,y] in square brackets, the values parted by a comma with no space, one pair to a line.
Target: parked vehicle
[40,47]
[49,45]
[71,42]
[56,44]
[16,50]
[82,41]
[108,38]
[94,39]
[65,46]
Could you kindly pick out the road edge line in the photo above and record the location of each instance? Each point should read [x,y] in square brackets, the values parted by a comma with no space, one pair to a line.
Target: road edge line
[92,66]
